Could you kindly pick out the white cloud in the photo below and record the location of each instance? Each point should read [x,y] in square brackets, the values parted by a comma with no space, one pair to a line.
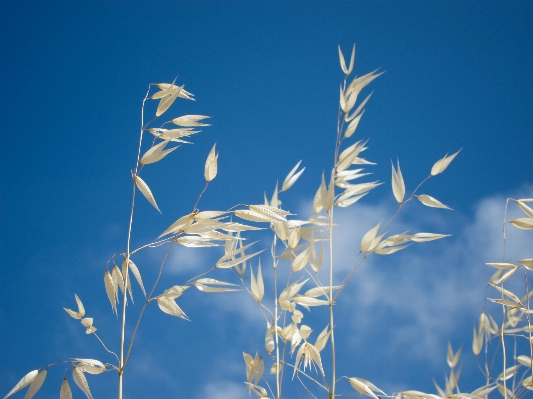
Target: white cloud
[183,260]
[223,390]
[429,290]
[398,308]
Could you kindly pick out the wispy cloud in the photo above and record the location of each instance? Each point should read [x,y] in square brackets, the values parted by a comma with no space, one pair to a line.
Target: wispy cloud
[223,390]
[426,291]
[403,306]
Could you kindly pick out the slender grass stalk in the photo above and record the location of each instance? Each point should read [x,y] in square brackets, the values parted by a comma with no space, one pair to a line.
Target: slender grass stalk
[274,262]
[331,321]
[125,297]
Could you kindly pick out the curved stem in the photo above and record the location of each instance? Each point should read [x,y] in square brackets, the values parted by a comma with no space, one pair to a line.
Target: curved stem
[125,298]
[148,299]
[152,245]
[105,347]
[200,196]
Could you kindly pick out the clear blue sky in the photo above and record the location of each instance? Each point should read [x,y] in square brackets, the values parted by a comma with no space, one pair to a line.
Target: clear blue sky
[72,76]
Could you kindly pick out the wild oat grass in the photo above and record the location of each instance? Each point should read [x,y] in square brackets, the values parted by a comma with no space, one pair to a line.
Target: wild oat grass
[293,350]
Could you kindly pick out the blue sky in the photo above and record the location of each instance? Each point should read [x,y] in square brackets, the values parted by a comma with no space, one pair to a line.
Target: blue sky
[458,75]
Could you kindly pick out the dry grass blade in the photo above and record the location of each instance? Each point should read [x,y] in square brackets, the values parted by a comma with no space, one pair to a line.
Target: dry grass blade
[358,112]
[362,387]
[156,153]
[528,383]
[398,185]
[361,82]
[201,284]
[342,99]
[257,286]
[36,384]
[319,291]
[118,279]
[270,211]
[327,200]
[506,276]
[269,339]
[507,293]
[190,120]
[527,263]
[322,339]
[65,391]
[343,63]
[352,60]
[252,216]
[441,165]
[432,202]
[347,157]
[300,261]
[170,307]
[350,130]
[502,265]
[349,201]
[230,263]
[505,302]
[137,275]
[81,310]
[523,223]
[368,242]
[292,177]
[527,210]
[282,230]
[452,359]
[483,391]
[168,96]
[411,394]
[111,290]
[196,242]
[173,134]
[291,290]
[524,360]
[354,192]
[237,227]
[211,163]
[388,250]
[91,366]
[81,381]
[508,372]
[477,342]
[145,190]
[423,237]
[231,253]
[175,291]
[127,280]
[306,301]
[255,367]
[25,381]
[178,225]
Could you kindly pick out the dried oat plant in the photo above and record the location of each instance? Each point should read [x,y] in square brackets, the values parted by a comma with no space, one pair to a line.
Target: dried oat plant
[304,244]
[293,350]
